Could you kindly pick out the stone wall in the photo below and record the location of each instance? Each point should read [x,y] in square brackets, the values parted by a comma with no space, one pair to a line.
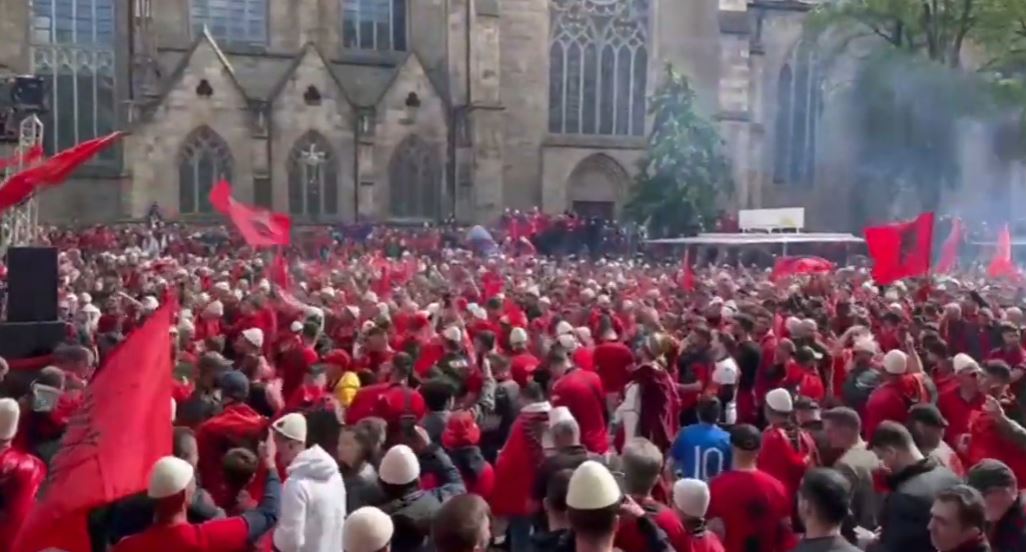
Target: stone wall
[292,118]
[151,151]
[524,38]
[393,125]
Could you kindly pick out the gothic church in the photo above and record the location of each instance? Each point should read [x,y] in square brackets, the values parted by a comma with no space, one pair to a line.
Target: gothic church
[412,110]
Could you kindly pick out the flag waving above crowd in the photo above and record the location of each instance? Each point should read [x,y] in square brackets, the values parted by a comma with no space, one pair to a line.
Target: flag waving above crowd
[259,227]
[902,249]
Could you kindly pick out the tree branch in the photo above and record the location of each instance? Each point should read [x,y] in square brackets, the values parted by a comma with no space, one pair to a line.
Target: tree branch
[964,26]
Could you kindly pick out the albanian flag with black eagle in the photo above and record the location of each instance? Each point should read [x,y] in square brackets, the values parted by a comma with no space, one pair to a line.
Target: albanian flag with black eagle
[901,249]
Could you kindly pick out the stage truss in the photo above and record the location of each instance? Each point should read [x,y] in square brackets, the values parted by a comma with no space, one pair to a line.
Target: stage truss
[19,225]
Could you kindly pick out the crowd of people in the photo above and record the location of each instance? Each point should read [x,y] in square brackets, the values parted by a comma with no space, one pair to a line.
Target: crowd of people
[365,396]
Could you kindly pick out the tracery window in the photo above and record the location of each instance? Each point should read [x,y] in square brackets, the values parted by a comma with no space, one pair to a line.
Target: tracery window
[374,24]
[72,47]
[313,178]
[239,22]
[415,179]
[598,66]
[799,97]
[203,161]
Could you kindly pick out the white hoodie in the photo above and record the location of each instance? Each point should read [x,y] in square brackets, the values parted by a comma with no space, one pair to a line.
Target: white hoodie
[313,505]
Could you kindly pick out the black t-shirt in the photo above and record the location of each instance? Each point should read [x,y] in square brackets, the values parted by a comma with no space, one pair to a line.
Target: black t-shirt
[749,356]
[826,544]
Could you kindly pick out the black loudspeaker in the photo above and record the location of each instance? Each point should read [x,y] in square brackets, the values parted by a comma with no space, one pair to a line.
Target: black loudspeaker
[32,284]
[30,339]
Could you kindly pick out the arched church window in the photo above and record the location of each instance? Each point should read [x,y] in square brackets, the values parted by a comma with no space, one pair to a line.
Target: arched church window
[203,161]
[313,178]
[374,24]
[598,66]
[239,22]
[799,97]
[415,180]
[72,45]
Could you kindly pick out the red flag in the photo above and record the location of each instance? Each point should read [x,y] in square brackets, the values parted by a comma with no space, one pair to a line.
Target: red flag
[35,153]
[112,441]
[687,277]
[1002,264]
[51,172]
[901,249]
[279,272]
[259,227]
[789,266]
[949,250]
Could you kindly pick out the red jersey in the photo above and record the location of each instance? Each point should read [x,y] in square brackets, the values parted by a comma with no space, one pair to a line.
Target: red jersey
[892,400]
[755,507]
[629,537]
[1014,357]
[957,411]
[365,402]
[581,392]
[612,361]
[219,535]
[807,383]
[787,456]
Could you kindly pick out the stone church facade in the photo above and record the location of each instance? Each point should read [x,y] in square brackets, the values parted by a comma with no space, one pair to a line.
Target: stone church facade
[411,110]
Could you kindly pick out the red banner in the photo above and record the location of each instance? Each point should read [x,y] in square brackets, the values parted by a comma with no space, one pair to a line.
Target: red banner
[1002,264]
[112,441]
[34,154]
[902,249]
[789,266]
[687,277]
[258,226]
[949,250]
[51,172]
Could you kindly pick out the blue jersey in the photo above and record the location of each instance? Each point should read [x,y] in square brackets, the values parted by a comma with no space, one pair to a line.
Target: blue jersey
[701,451]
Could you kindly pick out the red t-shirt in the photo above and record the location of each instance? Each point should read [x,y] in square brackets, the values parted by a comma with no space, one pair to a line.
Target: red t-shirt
[581,392]
[754,507]
[365,402]
[612,360]
[220,535]
[629,537]
[957,412]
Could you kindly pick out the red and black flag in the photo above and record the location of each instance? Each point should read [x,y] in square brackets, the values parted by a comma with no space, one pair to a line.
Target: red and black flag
[259,227]
[901,249]
[52,171]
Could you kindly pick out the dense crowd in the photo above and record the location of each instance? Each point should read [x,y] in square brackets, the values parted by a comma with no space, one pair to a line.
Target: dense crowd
[405,391]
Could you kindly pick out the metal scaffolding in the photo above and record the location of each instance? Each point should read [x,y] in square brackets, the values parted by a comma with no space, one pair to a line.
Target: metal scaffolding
[19,225]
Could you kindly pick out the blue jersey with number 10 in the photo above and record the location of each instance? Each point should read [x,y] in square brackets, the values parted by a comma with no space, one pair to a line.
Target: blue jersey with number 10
[701,451]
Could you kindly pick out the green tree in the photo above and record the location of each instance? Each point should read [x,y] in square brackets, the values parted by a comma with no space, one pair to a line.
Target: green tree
[684,174]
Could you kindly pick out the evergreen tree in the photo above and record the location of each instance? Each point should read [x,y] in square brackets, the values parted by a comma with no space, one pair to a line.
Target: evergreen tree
[684,174]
